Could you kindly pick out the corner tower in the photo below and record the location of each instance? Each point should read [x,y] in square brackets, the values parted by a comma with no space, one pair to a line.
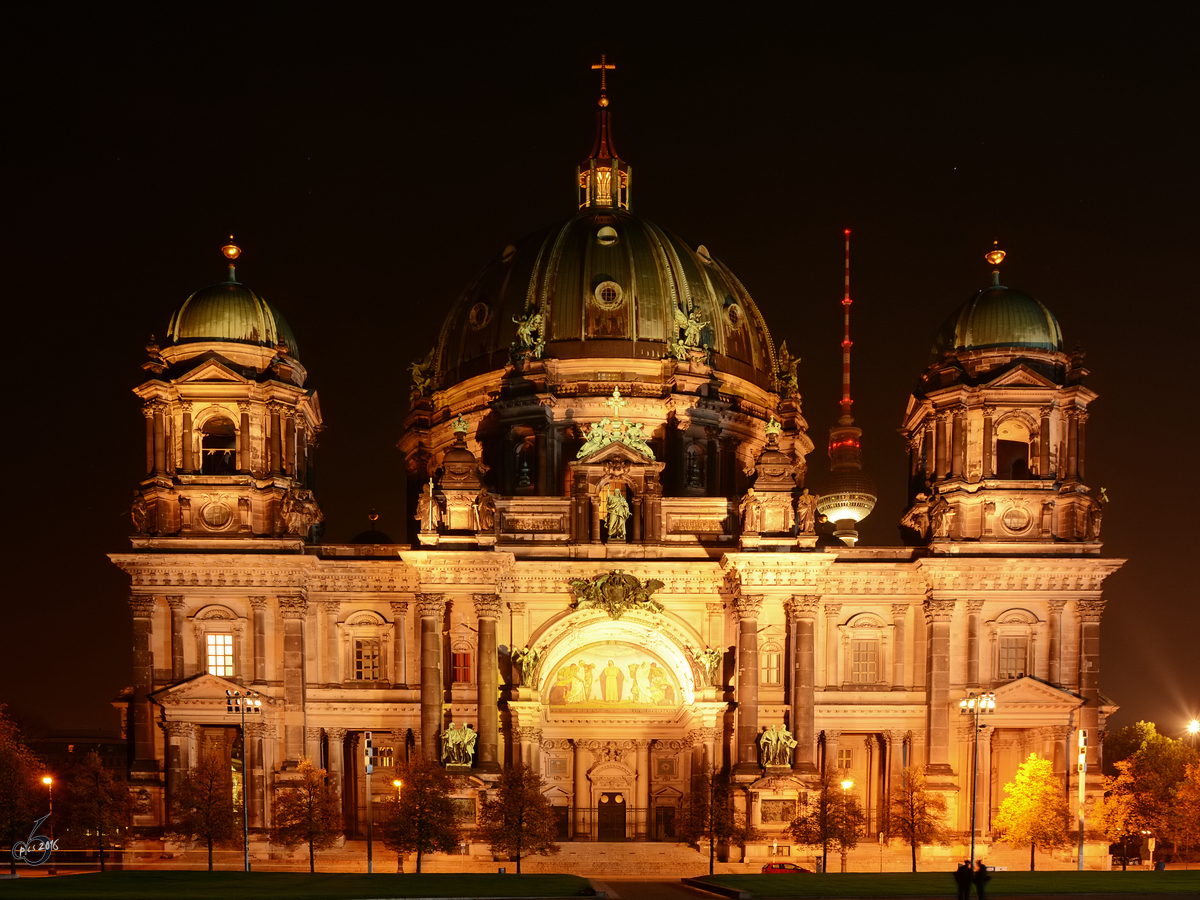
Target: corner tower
[996,428]
[230,425]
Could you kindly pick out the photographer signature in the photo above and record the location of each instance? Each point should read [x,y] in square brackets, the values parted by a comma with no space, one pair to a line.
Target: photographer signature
[38,848]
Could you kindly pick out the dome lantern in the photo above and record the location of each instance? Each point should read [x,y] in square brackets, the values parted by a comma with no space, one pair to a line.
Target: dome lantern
[603,178]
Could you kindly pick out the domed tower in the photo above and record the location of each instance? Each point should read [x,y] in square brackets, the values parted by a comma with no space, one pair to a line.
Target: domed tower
[849,495]
[230,426]
[995,428]
[602,355]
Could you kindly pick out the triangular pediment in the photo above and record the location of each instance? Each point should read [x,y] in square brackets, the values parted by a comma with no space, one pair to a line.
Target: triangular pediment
[211,370]
[616,451]
[1032,693]
[1021,376]
[202,690]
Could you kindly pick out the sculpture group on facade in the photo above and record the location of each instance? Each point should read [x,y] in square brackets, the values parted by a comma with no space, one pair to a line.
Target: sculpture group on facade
[691,328]
[422,375]
[616,593]
[776,744]
[710,661]
[529,343]
[527,661]
[299,512]
[458,745]
[615,428]
[752,506]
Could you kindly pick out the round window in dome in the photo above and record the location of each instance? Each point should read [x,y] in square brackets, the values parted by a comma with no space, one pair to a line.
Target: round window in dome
[608,295]
[216,515]
[509,254]
[478,316]
[734,315]
[607,235]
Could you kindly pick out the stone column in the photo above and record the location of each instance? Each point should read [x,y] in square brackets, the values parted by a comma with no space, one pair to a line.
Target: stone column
[337,758]
[894,767]
[254,778]
[148,413]
[747,608]
[189,465]
[973,608]
[329,655]
[1072,444]
[294,610]
[635,518]
[244,437]
[983,808]
[487,609]
[899,645]
[939,613]
[582,798]
[160,438]
[595,520]
[942,467]
[1044,443]
[958,458]
[176,605]
[289,441]
[1090,612]
[930,444]
[716,628]
[989,413]
[1054,640]
[399,643]
[831,749]
[1081,443]
[641,789]
[275,466]
[179,734]
[140,715]
[431,608]
[312,744]
[832,612]
[803,612]
[259,605]
[868,789]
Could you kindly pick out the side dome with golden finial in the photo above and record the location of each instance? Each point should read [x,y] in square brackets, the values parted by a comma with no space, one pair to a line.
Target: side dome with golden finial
[230,312]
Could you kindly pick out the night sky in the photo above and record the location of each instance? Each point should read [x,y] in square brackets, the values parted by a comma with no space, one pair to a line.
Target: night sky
[369,167]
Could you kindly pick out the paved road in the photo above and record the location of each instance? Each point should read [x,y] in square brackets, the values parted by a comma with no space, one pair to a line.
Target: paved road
[635,889]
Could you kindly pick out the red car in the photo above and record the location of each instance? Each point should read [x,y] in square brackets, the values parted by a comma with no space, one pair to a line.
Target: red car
[784,869]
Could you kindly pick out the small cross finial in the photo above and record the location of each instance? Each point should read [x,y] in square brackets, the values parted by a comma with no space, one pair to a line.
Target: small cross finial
[616,402]
[604,68]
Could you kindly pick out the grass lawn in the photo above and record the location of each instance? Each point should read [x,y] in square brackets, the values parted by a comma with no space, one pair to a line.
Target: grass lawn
[290,885]
[934,884]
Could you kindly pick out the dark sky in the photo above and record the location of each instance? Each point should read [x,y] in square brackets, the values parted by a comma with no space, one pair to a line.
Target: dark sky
[370,166]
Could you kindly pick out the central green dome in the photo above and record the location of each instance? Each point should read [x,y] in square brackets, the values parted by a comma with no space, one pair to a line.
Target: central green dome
[230,311]
[999,317]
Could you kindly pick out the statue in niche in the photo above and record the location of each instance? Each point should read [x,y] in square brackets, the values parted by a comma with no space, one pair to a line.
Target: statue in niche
[485,511]
[1095,514]
[941,517]
[615,511]
[139,512]
[806,512]
[751,511]
[429,514]
[776,744]
[710,661]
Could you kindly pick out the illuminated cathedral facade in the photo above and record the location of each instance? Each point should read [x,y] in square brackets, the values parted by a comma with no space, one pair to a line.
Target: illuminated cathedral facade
[617,575]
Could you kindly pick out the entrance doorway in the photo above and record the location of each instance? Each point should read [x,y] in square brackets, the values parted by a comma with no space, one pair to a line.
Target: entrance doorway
[610,817]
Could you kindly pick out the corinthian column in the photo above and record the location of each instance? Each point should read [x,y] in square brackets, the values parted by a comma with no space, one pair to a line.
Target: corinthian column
[939,613]
[1089,612]
[143,683]
[487,610]
[431,608]
[747,609]
[803,612]
[176,605]
[293,610]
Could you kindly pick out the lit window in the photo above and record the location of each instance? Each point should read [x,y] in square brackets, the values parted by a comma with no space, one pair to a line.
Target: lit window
[218,447]
[366,659]
[864,661]
[220,654]
[1012,658]
[460,664]
[771,667]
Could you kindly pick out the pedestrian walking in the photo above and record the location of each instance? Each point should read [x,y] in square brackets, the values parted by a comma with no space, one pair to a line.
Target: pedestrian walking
[962,877]
[981,879]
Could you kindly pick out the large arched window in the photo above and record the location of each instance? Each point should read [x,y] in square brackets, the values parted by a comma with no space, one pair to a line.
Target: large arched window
[218,447]
[865,652]
[1014,442]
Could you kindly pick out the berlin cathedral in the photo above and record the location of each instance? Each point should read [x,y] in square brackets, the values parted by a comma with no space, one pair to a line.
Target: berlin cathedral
[620,574]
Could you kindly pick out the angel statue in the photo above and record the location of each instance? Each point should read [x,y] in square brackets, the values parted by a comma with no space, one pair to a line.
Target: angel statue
[527,660]
[710,660]
[422,375]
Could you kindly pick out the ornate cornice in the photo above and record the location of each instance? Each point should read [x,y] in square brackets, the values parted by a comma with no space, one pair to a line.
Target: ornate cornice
[982,576]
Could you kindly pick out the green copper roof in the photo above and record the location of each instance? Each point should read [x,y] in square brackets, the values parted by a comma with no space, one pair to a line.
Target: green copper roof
[999,316]
[230,311]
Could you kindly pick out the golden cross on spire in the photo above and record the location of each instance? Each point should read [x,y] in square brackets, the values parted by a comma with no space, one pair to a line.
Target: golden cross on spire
[616,402]
[604,68]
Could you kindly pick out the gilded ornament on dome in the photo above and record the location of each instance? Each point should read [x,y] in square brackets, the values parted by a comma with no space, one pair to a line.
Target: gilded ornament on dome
[616,593]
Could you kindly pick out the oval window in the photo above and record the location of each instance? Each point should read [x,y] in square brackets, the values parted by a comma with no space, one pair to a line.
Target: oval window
[607,235]
[608,295]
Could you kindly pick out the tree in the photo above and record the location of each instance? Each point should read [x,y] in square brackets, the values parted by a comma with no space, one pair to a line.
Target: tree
[709,815]
[1034,810]
[832,818]
[1143,794]
[917,814]
[422,820]
[203,808]
[308,811]
[1122,743]
[20,803]
[98,805]
[519,819]
[1187,807]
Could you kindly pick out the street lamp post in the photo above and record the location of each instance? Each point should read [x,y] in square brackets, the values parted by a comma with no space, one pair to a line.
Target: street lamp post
[237,702]
[976,705]
[49,783]
[398,784]
[846,785]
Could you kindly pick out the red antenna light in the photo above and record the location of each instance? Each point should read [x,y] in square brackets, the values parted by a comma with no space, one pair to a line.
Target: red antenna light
[846,418]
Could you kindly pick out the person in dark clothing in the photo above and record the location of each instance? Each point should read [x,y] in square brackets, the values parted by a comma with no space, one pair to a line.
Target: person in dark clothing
[962,877]
[981,879]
